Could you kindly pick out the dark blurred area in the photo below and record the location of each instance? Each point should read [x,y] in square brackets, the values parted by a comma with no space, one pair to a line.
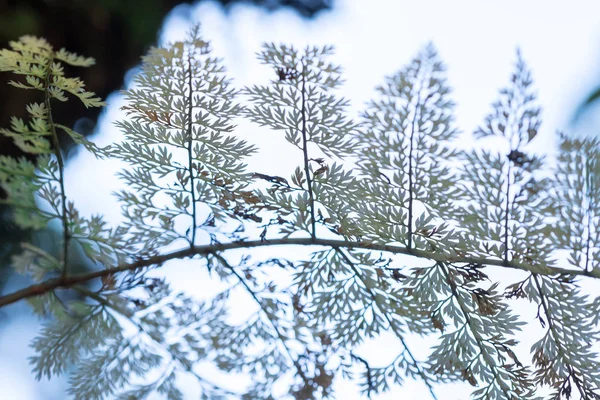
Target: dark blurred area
[114,32]
[591,101]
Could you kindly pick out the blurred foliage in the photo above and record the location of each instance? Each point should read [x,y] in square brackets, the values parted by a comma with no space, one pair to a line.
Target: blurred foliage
[592,100]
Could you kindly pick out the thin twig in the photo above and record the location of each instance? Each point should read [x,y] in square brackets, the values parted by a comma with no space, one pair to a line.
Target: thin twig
[190,131]
[507,214]
[52,284]
[61,168]
[410,171]
[588,211]
[369,373]
[313,232]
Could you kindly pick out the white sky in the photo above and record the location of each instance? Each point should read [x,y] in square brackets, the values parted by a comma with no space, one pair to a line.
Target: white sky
[477,40]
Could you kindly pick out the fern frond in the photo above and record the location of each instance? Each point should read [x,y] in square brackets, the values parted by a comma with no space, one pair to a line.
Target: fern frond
[40,64]
[577,202]
[564,358]
[179,130]
[166,340]
[300,102]
[405,155]
[411,196]
[65,342]
[507,189]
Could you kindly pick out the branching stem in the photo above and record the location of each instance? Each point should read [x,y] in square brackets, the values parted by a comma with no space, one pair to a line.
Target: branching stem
[52,284]
[190,131]
[410,171]
[554,334]
[392,324]
[483,352]
[507,213]
[254,296]
[313,224]
[588,211]
[370,385]
[61,169]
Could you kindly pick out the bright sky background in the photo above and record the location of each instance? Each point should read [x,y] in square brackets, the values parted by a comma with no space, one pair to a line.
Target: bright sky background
[559,40]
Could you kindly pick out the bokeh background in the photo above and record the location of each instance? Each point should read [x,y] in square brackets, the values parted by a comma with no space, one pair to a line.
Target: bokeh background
[477,40]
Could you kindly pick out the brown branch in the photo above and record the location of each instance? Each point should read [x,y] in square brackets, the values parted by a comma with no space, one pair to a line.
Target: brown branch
[57,283]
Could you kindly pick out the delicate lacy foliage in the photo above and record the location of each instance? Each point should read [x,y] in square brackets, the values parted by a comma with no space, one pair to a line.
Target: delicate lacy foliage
[366,194]
[43,70]
[577,183]
[478,332]
[509,214]
[37,192]
[179,143]
[507,189]
[563,357]
[300,102]
[404,155]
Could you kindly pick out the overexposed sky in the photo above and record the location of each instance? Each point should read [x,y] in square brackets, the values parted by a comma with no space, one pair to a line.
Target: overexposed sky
[477,39]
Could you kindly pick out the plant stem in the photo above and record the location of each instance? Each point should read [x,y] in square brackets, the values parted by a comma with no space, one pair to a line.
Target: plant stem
[507,213]
[486,356]
[190,131]
[398,334]
[410,171]
[52,284]
[588,210]
[254,296]
[313,232]
[61,168]
[554,335]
